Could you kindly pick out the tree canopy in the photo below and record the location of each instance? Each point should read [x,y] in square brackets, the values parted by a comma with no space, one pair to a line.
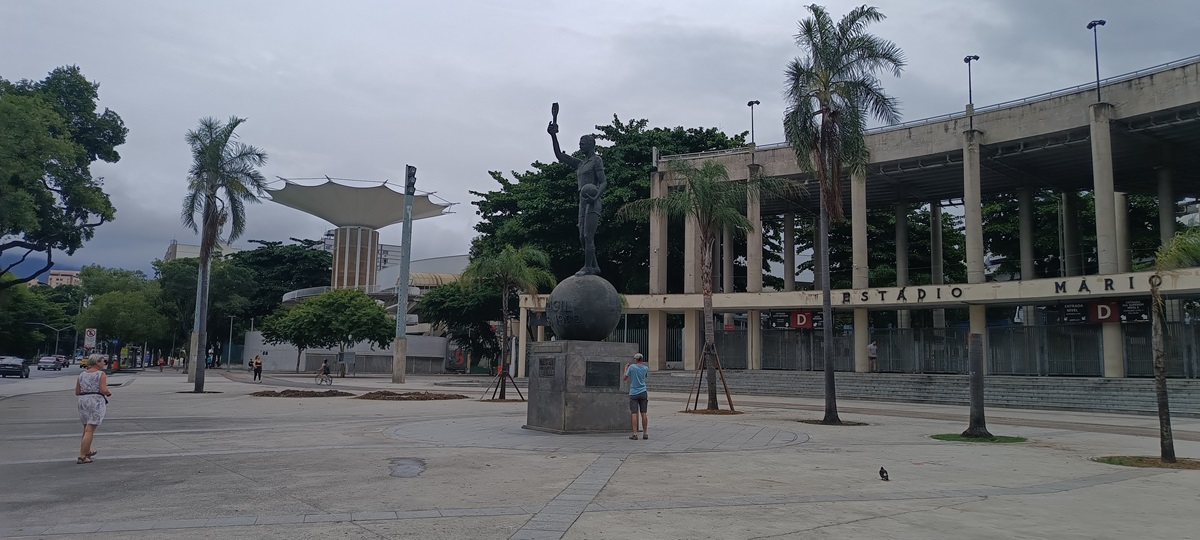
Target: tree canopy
[276,268]
[341,318]
[50,134]
[466,313]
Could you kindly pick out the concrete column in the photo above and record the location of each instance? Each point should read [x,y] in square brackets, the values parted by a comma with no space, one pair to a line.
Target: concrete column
[754,279]
[693,338]
[656,356]
[858,275]
[1070,234]
[1166,206]
[658,238]
[973,216]
[937,265]
[902,315]
[789,251]
[1106,226]
[1102,182]
[1025,230]
[522,341]
[541,333]
[691,257]
[1121,219]
[727,257]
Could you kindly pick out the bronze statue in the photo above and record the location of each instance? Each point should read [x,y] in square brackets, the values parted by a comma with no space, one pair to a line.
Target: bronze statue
[590,173]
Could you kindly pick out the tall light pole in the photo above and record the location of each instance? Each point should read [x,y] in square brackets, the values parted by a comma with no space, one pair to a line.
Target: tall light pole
[57,333]
[229,357]
[1096,49]
[970,93]
[400,344]
[751,104]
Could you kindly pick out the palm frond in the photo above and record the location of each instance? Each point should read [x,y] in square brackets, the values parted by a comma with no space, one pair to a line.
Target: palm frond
[1183,251]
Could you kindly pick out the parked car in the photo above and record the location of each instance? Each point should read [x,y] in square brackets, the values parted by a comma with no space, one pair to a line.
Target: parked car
[63,360]
[49,362]
[11,365]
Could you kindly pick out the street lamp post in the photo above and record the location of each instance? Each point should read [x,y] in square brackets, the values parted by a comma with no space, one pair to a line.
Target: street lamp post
[1096,50]
[229,358]
[57,333]
[970,92]
[751,104]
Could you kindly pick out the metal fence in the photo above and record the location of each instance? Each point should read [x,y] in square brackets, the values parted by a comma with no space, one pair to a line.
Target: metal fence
[1182,343]
[641,336]
[1046,350]
[922,350]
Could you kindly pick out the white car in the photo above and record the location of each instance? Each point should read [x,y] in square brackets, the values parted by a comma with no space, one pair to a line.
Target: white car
[49,362]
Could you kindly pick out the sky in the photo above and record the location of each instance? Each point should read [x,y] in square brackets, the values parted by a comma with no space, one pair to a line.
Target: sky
[358,89]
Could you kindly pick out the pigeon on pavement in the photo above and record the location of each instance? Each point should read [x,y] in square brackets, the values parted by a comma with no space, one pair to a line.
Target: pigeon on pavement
[883,474]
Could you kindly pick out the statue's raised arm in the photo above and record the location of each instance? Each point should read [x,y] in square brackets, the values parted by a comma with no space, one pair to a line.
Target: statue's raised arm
[552,129]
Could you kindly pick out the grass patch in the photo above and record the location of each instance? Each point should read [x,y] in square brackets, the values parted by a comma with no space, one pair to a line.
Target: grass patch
[1149,461]
[955,437]
[301,393]
[843,423]
[388,395]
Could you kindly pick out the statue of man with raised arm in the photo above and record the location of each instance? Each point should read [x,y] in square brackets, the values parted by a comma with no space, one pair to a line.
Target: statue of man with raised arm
[590,173]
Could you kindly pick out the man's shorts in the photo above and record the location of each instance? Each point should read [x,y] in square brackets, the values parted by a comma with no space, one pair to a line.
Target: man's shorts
[637,403]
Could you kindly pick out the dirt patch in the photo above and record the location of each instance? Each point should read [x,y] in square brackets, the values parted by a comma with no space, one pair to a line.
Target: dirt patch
[713,411]
[503,400]
[956,437]
[388,395]
[190,391]
[301,393]
[1149,461]
[842,423]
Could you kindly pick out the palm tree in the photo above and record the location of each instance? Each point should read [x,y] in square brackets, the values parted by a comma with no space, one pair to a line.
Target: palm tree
[714,204]
[1182,251]
[223,178]
[830,92]
[514,271]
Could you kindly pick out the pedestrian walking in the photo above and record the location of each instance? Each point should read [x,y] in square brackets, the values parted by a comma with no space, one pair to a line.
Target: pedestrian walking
[636,373]
[92,389]
[258,368]
[873,355]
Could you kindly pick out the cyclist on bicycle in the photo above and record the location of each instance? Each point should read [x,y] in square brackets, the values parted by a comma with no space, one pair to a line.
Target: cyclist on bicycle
[325,369]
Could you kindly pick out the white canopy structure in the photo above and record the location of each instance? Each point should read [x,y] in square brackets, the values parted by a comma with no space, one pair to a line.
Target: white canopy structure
[358,213]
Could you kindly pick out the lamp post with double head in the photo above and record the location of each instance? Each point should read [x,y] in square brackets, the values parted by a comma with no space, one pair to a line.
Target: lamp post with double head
[970,92]
[57,333]
[1096,51]
[751,104]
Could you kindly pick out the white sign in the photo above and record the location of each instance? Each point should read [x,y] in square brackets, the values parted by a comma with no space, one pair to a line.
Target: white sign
[89,338]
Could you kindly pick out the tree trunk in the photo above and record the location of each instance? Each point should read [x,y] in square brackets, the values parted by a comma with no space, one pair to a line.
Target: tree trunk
[201,324]
[299,353]
[503,340]
[977,428]
[831,414]
[710,337]
[1166,440]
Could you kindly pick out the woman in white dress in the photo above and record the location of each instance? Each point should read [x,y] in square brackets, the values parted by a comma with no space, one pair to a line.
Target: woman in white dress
[92,389]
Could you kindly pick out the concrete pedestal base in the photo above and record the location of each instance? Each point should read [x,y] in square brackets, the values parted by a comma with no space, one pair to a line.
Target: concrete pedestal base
[576,386]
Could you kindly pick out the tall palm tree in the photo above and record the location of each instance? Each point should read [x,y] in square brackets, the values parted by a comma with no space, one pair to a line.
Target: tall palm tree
[512,270]
[830,93]
[222,179]
[1182,251]
[713,203]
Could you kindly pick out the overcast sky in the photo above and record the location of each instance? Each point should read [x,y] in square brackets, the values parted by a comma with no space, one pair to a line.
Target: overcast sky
[358,89]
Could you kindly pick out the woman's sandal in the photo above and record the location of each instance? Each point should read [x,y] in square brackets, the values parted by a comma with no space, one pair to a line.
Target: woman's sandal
[82,460]
[633,437]
[90,454]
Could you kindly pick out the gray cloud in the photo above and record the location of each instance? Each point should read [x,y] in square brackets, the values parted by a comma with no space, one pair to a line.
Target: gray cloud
[359,90]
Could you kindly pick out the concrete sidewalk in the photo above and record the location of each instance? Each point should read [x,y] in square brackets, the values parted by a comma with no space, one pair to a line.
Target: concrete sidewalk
[183,465]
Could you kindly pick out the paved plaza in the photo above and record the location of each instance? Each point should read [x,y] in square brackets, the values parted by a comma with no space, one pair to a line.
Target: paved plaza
[229,465]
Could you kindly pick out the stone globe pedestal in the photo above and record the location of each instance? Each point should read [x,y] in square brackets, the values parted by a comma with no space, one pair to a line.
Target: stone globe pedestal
[575,382]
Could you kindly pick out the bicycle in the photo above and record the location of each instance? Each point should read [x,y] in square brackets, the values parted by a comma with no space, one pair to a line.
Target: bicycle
[322,378]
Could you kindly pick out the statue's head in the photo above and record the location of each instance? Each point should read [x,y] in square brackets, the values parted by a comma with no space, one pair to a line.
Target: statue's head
[587,144]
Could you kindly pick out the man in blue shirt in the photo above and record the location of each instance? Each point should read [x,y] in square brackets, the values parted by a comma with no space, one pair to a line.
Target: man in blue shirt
[635,373]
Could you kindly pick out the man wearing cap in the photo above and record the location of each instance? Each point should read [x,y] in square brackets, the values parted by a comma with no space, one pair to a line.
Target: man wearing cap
[635,373]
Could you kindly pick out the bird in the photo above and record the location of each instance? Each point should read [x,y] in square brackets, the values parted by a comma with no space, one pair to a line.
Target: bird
[883,474]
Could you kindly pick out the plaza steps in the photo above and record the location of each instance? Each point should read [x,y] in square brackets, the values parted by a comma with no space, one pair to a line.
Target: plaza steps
[1120,396]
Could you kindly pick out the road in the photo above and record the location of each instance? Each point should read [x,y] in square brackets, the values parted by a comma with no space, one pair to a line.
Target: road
[45,381]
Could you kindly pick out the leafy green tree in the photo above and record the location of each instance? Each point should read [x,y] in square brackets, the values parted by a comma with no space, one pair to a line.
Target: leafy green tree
[1182,251]
[510,272]
[343,317]
[223,178]
[62,304]
[277,268]
[539,208]
[50,134]
[231,288]
[98,280]
[830,92]
[126,316]
[715,204]
[466,314]
[19,306]
[295,325]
